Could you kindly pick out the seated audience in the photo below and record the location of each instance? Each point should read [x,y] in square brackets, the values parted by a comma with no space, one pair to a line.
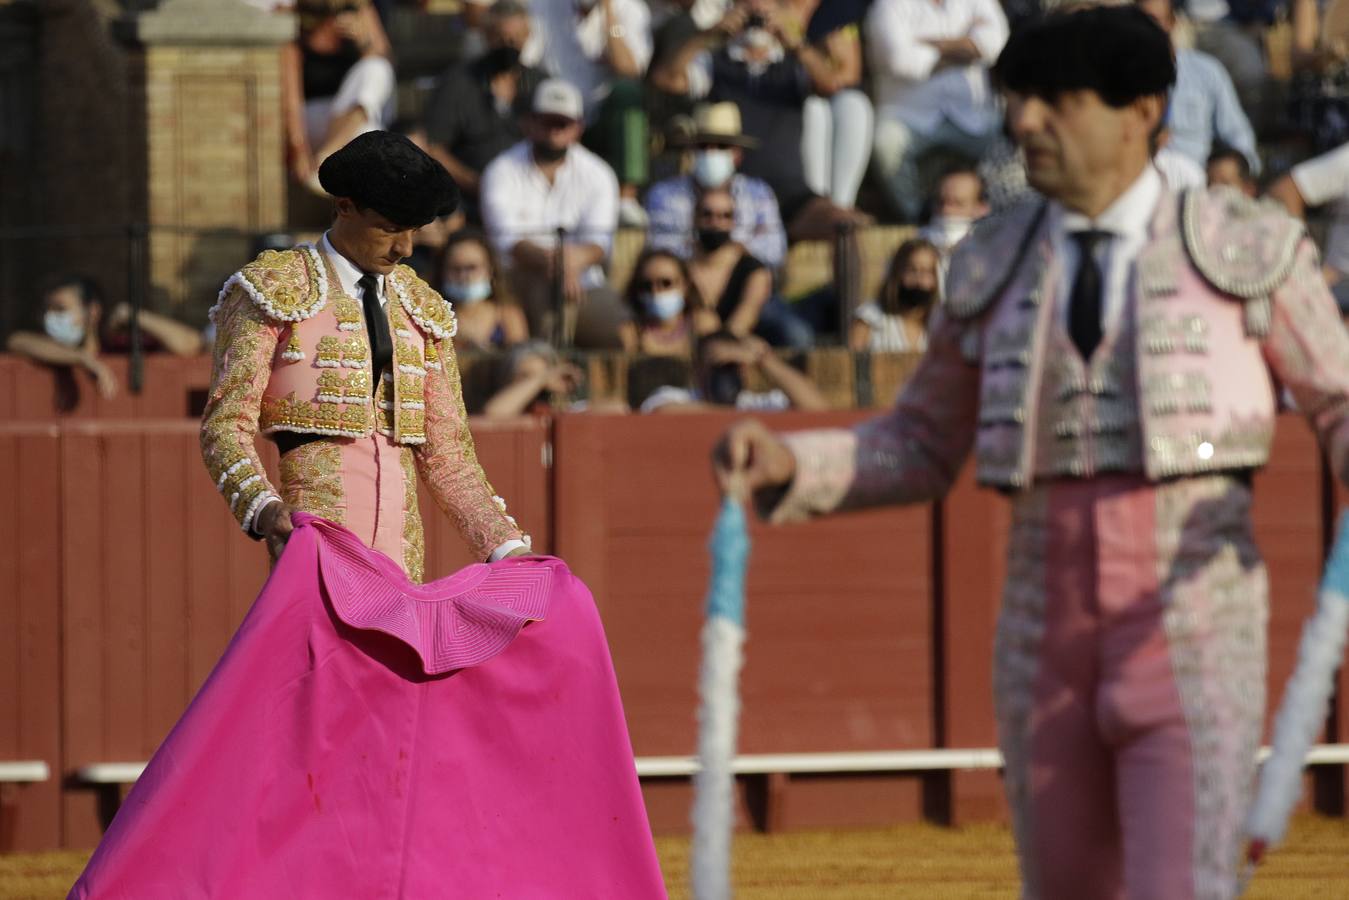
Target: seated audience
[546,182]
[896,321]
[737,286]
[603,47]
[1229,167]
[537,382]
[471,282]
[475,113]
[75,332]
[336,82]
[661,384]
[929,68]
[718,150]
[724,365]
[752,58]
[1203,106]
[668,312]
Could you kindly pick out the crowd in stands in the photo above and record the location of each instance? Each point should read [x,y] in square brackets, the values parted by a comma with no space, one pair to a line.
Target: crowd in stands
[730,130]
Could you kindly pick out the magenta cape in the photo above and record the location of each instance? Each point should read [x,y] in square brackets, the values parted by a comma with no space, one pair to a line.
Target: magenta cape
[366,737]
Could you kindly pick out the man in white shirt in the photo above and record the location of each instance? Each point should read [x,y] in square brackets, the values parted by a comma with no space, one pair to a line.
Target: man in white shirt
[1323,181]
[1110,354]
[603,47]
[929,68]
[546,182]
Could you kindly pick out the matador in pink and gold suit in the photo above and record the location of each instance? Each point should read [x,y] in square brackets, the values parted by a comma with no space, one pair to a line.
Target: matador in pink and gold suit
[1130,648]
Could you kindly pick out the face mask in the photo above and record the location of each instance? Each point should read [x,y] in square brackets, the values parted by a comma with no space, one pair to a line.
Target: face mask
[547,153]
[469,293]
[713,168]
[501,59]
[664,305]
[948,230]
[713,239]
[63,327]
[759,39]
[913,298]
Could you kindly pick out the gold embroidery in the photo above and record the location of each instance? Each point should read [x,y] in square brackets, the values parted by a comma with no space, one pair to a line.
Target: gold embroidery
[329,351]
[285,284]
[311,480]
[414,538]
[428,309]
[321,417]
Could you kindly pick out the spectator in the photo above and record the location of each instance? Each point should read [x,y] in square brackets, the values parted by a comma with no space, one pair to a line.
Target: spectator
[1318,182]
[838,118]
[1229,167]
[538,382]
[958,201]
[738,286]
[1203,105]
[896,322]
[470,280]
[337,82]
[929,66]
[669,314]
[603,47]
[661,384]
[74,332]
[1232,32]
[1319,93]
[762,65]
[724,365]
[475,113]
[548,182]
[718,150]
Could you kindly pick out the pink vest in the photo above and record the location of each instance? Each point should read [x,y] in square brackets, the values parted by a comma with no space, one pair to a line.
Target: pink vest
[321,373]
[1187,359]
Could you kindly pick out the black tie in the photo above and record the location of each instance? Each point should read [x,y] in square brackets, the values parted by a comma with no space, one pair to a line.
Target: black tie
[377,326]
[1084,309]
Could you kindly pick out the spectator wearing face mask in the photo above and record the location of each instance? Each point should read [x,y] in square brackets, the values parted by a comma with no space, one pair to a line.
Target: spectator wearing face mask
[736,284]
[669,314]
[603,47]
[475,113]
[546,182]
[469,280]
[958,201]
[717,149]
[75,331]
[896,322]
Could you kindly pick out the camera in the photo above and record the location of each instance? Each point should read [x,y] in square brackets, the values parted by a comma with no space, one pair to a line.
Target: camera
[756,20]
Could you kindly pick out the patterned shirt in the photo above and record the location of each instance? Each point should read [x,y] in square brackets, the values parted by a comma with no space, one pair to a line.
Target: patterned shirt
[758,222]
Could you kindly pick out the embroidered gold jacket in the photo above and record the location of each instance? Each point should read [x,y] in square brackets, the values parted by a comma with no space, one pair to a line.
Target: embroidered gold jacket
[292,354]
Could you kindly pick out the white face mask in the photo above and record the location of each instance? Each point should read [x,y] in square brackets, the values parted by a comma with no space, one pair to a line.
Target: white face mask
[468,293]
[664,305]
[947,231]
[713,168]
[63,327]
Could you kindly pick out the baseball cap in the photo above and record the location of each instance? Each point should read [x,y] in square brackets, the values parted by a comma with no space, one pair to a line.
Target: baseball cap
[555,97]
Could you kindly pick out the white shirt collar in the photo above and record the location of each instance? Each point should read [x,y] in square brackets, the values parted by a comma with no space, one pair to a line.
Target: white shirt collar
[1129,216]
[347,272]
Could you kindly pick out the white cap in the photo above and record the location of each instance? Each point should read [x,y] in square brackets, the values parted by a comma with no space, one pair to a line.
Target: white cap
[555,97]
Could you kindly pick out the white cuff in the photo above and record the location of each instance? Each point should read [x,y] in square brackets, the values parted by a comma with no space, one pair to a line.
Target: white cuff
[500,552]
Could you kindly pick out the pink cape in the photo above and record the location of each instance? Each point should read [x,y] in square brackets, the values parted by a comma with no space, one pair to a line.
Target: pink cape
[366,737]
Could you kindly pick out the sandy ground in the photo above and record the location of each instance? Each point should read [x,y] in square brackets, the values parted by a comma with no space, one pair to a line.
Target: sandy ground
[914,861]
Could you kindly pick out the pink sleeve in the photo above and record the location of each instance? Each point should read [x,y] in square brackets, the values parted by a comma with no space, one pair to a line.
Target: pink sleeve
[1308,351]
[244,345]
[910,455]
[449,465]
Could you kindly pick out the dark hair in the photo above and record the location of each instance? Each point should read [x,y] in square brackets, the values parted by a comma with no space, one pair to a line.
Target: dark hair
[961,168]
[1119,52]
[651,373]
[888,298]
[88,289]
[1223,151]
[693,299]
[500,294]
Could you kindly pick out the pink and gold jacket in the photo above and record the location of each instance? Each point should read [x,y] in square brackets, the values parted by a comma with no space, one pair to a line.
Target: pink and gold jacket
[1227,305]
[292,354]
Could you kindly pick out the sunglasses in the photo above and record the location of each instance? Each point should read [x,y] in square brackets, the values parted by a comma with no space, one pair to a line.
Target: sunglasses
[656,284]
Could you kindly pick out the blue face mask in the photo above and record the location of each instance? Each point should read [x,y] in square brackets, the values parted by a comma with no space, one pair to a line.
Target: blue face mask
[63,327]
[664,305]
[468,292]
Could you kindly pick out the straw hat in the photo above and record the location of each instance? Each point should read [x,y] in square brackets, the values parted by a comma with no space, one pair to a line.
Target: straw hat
[718,123]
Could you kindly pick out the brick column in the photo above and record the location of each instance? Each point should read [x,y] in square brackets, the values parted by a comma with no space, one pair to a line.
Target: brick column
[208,83]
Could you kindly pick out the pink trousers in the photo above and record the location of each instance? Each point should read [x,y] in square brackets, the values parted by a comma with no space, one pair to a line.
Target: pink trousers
[1129,683]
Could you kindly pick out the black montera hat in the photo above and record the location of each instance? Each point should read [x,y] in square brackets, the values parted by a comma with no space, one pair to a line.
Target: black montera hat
[1119,52]
[388,173]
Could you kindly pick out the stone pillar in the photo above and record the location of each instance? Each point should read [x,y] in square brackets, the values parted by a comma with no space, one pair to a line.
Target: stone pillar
[206,80]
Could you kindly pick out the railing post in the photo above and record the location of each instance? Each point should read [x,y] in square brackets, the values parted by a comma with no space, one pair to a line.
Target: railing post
[560,337]
[135,288]
[847,276]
